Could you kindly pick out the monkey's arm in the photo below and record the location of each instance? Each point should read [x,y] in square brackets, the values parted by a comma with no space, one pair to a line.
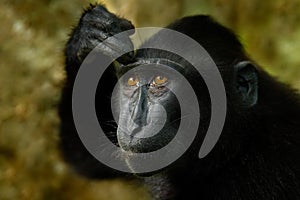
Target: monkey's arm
[95,25]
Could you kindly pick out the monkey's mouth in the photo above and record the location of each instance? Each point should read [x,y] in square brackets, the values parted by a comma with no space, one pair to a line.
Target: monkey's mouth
[134,144]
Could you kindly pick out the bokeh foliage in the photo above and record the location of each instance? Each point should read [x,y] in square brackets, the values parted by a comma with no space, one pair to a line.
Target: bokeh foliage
[32,38]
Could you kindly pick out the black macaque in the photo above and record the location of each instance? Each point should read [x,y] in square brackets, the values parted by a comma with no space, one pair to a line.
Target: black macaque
[257,156]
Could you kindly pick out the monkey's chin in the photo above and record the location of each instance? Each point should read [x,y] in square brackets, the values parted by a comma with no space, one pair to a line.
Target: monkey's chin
[129,158]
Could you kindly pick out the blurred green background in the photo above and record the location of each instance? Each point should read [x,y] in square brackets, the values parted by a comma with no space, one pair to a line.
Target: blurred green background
[32,38]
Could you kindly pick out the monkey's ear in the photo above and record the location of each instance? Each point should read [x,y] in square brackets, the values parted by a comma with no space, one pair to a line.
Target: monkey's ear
[246,82]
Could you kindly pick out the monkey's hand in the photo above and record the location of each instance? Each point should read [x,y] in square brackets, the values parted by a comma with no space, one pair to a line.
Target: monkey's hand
[95,26]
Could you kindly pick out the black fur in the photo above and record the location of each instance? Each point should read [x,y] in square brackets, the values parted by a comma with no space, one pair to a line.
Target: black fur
[257,156]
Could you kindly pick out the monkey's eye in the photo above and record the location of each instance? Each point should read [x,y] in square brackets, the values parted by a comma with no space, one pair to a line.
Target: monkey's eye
[133,81]
[160,80]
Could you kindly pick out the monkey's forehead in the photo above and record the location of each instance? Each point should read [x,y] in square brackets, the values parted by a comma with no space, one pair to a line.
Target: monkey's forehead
[159,63]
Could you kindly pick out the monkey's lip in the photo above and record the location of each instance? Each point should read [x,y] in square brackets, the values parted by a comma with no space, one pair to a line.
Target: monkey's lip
[131,144]
[134,144]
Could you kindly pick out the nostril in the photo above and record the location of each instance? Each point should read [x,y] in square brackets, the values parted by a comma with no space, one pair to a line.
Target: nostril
[135,131]
[140,121]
